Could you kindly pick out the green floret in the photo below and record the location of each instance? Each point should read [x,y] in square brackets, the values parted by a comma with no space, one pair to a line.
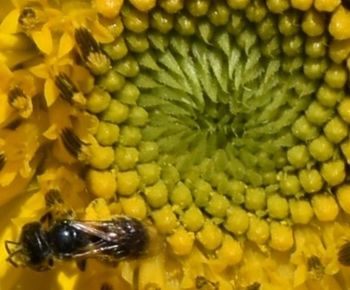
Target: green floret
[107,133]
[111,81]
[97,101]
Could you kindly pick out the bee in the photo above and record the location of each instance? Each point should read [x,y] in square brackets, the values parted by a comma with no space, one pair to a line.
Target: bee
[40,245]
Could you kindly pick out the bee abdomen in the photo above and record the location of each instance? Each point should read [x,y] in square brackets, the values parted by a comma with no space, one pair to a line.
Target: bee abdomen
[132,238]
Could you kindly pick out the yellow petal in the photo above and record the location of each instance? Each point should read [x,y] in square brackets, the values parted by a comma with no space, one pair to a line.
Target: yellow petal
[68,281]
[51,92]
[65,61]
[51,133]
[5,108]
[40,71]
[13,58]
[6,178]
[10,22]
[26,170]
[34,204]
[5,76]
[43,39]
[66,45]
[82,78]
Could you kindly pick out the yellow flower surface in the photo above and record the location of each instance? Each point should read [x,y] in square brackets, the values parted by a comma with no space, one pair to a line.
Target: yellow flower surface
[178,144]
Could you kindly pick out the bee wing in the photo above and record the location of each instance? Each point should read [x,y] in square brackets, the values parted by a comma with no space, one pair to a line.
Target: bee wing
[104,251]
[98,250]
[108,231]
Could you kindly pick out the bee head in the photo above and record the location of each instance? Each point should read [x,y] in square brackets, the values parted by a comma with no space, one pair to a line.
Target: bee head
[32,250]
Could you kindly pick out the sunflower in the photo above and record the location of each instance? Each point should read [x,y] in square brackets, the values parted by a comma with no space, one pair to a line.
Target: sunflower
[221,125]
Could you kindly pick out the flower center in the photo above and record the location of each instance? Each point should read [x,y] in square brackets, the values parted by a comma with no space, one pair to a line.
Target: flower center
[224,95]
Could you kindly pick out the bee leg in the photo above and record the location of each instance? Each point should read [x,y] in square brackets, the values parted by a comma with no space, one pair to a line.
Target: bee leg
[81,264]
[47,218]
[56,208]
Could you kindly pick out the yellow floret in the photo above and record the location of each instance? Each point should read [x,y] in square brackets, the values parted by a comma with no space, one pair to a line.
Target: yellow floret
[277,6]
[258,231]
[165,219]
[110,8]
[210,236]
[102,183]
[97,210]
[128,182]
[281,236]
[101,157]
[326,5]
[343,196]
[181,242]
[152,273]
[230,252]
[301,211]
[340,23]
[143,5]
[325,207]
[302,4]
[134,206]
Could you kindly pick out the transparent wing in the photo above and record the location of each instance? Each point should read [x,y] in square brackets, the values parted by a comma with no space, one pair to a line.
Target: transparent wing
[110,231]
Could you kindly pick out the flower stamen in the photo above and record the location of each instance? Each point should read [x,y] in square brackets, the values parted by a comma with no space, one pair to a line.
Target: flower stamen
[203,283]
[315,266]
[92,54]
[66,87]
[28,19]
[20,101]
[71,142]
